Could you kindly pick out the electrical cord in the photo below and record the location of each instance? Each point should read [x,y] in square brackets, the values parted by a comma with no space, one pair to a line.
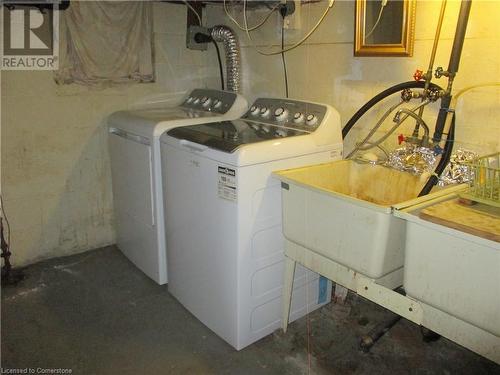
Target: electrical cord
[383,3]
[454,100]
[220,64]
[9,275]
[264,20]
[285,74]
[252,44]
[5,218]
[194,11]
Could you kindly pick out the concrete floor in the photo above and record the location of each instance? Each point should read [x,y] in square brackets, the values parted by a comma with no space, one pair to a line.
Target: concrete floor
[95,313]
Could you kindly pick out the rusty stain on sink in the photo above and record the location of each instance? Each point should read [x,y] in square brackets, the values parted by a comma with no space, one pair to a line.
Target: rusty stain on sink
[371,183]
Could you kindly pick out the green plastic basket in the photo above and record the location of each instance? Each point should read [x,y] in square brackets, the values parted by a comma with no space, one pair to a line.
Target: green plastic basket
[485,186]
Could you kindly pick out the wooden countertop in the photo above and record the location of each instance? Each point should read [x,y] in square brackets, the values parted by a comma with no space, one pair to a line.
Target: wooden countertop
[479,219]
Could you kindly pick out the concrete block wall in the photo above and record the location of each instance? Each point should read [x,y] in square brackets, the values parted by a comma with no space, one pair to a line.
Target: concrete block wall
[55,178]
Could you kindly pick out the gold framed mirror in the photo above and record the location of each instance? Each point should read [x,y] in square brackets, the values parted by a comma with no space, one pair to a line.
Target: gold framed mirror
[384,27]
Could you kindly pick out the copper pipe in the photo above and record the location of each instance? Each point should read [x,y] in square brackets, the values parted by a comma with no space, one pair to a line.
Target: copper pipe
[428,75]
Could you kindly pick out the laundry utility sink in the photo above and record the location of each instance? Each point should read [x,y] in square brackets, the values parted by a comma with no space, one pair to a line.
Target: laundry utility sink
[452,259]
[343,211]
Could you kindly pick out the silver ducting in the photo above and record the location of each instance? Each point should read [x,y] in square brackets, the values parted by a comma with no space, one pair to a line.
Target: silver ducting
[226,35]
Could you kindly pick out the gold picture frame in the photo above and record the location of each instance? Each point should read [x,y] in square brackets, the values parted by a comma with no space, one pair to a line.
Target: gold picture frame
[389,24]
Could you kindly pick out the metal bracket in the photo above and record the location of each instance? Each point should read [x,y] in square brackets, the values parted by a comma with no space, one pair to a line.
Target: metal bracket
[401,305]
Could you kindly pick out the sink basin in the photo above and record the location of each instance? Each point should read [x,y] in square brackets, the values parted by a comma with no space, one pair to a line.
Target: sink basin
[451,267]
[343,211]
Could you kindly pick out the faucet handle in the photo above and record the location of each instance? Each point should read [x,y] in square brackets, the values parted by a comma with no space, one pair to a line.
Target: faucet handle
[418,75]
[440,72]
[434,94]
[406,95]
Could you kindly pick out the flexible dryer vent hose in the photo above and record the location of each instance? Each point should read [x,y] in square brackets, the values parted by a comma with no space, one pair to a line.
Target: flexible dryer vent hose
[227,36]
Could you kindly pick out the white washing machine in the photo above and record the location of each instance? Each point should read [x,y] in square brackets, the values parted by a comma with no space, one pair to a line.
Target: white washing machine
[223,214]
[136,170]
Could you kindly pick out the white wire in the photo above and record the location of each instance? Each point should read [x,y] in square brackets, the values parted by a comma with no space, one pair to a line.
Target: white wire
[194,11]
[330,4]
[382,6]
[454,100]
[253,27]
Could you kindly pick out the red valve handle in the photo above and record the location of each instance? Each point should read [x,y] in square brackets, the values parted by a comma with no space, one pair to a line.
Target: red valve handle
[401,138]
[418,75]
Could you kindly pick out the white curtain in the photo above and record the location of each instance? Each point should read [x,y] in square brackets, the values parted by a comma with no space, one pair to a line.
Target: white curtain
[104,42]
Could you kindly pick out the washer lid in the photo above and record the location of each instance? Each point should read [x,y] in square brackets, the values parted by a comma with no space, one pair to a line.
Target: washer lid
[147,122]
[153,116]
[227,136]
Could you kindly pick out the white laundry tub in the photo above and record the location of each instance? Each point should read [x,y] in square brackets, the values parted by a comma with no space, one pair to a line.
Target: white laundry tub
[343,211]
[453,271]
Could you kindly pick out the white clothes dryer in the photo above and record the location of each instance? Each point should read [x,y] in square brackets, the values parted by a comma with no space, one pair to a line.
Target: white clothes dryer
[136,170]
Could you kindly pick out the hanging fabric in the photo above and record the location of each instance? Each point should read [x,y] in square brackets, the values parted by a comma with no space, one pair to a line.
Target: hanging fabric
[104,42]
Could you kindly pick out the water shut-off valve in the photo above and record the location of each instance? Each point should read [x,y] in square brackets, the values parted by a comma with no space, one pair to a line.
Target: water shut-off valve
[440,72]
[401,139]
[418,75]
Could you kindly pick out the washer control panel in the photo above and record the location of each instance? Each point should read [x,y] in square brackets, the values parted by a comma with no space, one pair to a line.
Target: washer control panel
[209,100]
[286,113]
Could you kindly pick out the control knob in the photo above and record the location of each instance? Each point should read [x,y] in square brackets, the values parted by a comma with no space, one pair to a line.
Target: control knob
[281,114]
[217,104]
[311,120]
[189,99]
[205,101]
[298,117]
[196,101]
[264,111]
[254,110]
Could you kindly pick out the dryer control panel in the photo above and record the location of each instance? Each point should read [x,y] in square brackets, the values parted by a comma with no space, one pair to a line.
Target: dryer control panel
[210,100]
[292,114]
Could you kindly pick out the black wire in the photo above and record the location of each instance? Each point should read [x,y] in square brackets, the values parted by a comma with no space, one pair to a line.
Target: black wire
[283,56]
[220,64]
